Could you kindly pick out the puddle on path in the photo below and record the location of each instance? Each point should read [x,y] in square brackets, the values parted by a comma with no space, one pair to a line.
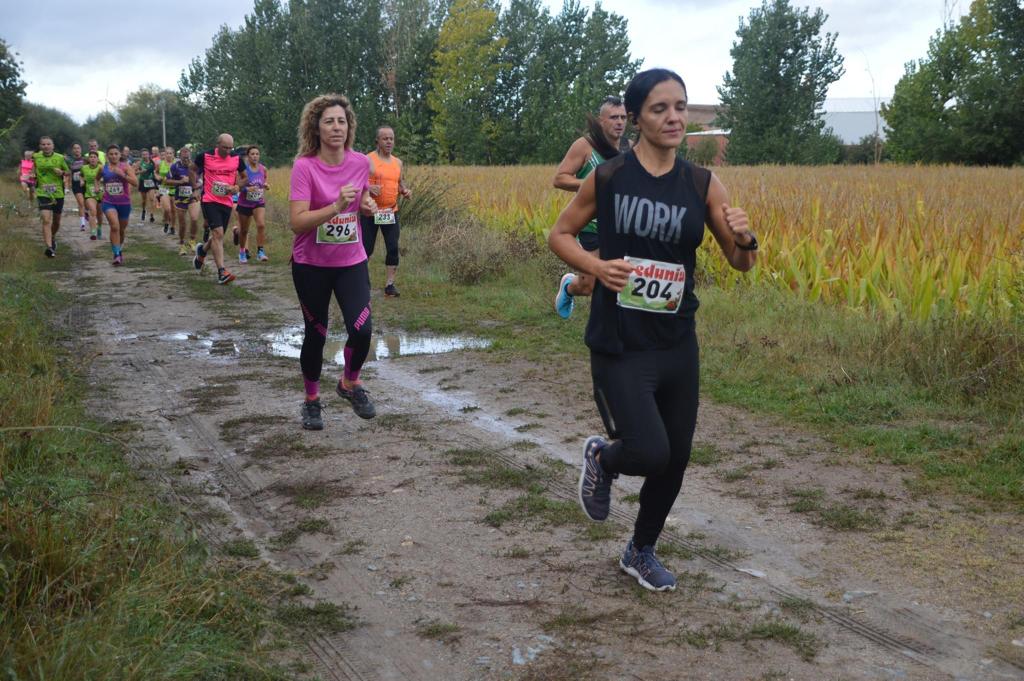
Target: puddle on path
[288,343]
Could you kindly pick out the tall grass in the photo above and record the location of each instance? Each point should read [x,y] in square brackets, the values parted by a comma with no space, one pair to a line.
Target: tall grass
[97,581]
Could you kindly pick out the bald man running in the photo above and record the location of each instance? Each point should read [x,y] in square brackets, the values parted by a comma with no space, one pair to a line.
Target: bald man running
[220,168]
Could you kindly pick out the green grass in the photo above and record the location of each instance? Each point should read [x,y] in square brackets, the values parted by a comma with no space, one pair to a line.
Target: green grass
[100,580]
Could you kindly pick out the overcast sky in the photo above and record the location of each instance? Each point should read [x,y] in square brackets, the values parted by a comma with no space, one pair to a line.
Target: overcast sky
[876,37]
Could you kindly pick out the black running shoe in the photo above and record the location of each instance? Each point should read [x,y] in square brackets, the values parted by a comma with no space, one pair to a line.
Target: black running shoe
[165,228]
[151,218]
[360,400]
[311,419]
[50,253]
[390,291]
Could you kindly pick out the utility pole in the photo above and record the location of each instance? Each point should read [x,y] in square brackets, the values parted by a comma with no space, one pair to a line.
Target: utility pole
[163,118]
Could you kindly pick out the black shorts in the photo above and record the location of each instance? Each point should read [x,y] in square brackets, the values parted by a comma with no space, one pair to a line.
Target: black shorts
[77,188]
[47,203]
[589,241]
[217,215]
[247,210]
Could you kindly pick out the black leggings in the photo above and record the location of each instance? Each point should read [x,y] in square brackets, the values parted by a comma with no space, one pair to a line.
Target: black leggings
[350,285]
[648,401]
[390,233]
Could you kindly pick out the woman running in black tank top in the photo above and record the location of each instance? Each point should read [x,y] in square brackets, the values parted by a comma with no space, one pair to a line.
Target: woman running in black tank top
[651,209]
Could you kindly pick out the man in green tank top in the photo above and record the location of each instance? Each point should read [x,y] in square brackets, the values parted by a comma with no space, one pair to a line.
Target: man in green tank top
[602,141]
[50,171]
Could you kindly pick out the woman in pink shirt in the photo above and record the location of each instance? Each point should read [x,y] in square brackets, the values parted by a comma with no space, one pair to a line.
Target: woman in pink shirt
[27,175]
[329,187]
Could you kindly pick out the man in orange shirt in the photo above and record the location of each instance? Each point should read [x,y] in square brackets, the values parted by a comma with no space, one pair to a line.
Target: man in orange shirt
[385,187]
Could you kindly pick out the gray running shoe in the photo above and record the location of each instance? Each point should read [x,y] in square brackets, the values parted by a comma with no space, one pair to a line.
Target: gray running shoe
[644,566]
[595,486]
[360,401]
[311,419]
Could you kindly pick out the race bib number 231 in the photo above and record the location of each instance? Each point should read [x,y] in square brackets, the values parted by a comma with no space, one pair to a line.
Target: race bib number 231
[653,286]
[342,229]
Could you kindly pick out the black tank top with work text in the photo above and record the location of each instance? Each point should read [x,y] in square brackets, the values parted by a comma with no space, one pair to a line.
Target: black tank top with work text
[657,223]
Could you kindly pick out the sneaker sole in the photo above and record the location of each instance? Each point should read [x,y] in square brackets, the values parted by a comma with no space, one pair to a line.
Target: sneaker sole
[305,427]
[583,475]
[635,574]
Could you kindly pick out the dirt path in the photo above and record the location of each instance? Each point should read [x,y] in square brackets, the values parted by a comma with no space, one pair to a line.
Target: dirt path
[449,522]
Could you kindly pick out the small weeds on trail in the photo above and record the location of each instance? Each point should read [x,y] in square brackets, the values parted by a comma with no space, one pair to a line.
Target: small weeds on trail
[446,632]
[835,516]
[237,428]
[322,617]
[801,608]
[241,548]
[805,644]
[95,569]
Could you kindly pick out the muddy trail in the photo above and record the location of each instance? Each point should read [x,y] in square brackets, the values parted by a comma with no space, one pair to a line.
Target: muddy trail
[449,526]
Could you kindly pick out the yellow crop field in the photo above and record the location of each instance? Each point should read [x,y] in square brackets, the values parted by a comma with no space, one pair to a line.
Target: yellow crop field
[914,241]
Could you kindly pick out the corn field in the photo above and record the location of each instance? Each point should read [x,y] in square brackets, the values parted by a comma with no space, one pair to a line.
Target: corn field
[919,242]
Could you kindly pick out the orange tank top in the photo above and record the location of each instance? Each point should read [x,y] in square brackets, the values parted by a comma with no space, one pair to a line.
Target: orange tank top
[386,174]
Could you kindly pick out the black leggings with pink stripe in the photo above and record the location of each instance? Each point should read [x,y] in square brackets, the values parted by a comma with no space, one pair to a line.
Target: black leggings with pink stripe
[350,285]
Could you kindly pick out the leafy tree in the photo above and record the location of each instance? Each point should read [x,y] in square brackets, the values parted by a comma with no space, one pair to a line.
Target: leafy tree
[962,103]
[772,99]
[102,127]
[12,87]
[39,120]
[465,71]
[139,123]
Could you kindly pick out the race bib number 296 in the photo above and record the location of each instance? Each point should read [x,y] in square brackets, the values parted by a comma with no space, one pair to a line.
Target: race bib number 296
[342,229]
[653,286]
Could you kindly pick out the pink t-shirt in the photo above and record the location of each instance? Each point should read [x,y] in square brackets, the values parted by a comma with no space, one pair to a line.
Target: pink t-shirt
[338,242]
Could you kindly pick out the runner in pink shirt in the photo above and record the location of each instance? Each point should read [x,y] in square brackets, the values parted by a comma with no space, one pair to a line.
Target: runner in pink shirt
[220,167]
[27,175]
[329,188]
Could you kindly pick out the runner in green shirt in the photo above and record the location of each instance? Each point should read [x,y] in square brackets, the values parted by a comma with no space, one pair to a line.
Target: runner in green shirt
[95,146]
[93,192]
[50,171]
[163,169]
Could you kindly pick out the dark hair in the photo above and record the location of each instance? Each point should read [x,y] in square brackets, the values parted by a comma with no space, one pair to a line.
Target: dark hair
[93,153]
[642,84]
[610,100]
[251,147]
[113,146]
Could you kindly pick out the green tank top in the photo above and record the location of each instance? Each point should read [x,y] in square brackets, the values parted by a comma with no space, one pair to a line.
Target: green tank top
[89,181]
[595,159]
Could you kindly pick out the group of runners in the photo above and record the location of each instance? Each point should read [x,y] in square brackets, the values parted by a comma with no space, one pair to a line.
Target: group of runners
[630,233]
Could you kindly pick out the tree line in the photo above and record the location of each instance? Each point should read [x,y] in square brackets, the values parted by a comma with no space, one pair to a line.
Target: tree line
[473,82]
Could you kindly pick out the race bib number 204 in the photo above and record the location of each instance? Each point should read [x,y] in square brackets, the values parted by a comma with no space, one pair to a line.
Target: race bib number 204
[342,229]
[653,286]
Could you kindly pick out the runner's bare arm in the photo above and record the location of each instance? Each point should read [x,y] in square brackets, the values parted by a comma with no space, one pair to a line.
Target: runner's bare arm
[402,189]
[130,176]
[730,227]
[562,240]
[565,174]
[367,206]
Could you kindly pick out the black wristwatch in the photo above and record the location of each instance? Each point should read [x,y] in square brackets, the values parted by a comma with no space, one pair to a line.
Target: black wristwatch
[752,246]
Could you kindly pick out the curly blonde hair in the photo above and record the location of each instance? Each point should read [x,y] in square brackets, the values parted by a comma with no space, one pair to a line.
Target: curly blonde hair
[309,122]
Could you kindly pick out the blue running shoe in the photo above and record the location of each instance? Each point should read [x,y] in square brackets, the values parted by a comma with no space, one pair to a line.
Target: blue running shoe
[595,488]
[563,299]
[645,567]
